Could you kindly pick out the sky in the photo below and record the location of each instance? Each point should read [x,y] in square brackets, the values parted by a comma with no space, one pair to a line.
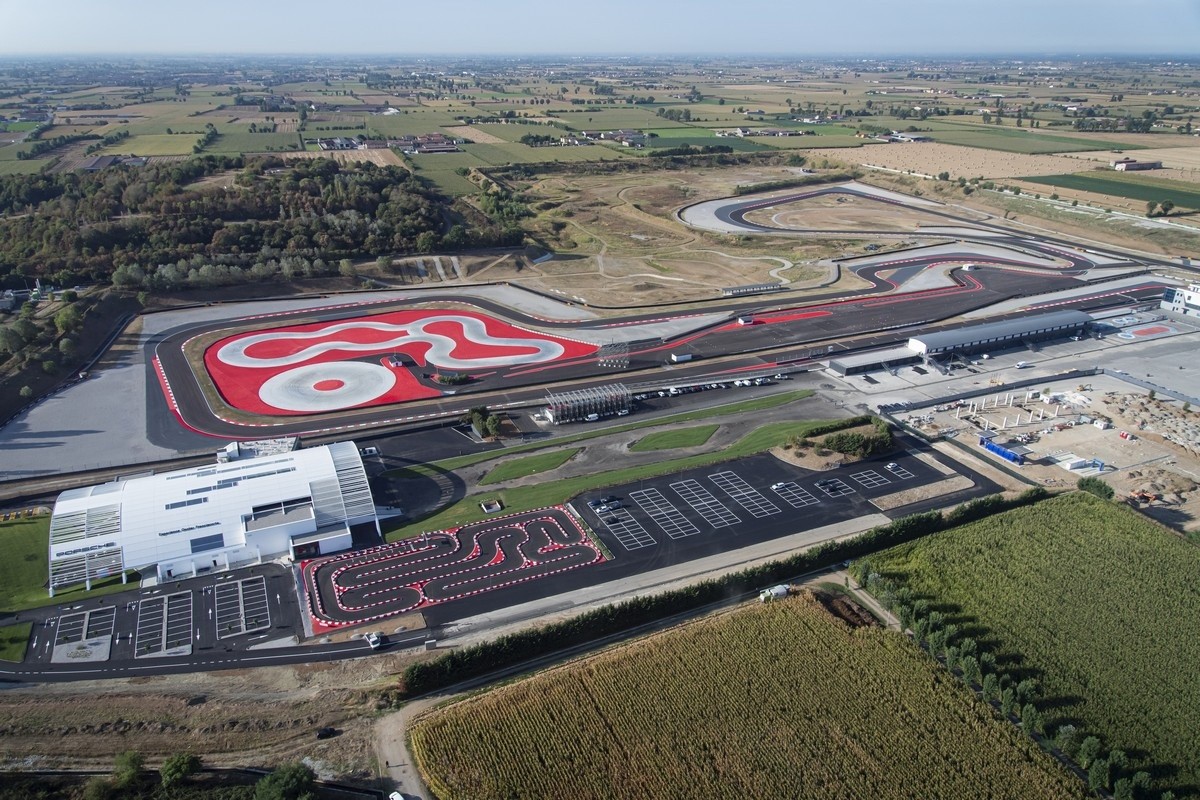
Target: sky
[796,28]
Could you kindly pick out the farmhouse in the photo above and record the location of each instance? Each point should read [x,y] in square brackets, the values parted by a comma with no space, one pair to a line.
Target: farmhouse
[259,501]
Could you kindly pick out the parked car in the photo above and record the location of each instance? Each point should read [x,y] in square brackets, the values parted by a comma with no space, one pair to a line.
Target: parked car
[326,732]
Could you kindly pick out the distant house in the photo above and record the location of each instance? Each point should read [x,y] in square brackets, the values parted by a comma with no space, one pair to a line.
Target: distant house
[97,163]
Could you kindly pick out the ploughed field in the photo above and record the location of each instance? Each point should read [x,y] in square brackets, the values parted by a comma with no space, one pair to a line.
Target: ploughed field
[774,700]
[1092,600]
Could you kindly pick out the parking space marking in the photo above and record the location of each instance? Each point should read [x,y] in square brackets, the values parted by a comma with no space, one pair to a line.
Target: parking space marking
[835,487]
[794,495]
[100,623]
[241,607]
[900,472]
[701,499]
[744,494]
[70,628]
[870,479]
[664,514]
[163,623]
[629,531]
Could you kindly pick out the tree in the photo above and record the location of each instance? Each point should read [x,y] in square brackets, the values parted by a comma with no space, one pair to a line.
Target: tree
[493,425]
[991,687]
[1150,207]
[49,366]
[346,269]
[68,320]
[1167,207]
[127,768]
[1067,740]
[179,768]
[1123,789]
[1093,485]
[26,392]
[1089,748]
[67,347]
[288,782]
[1098,775]
[1031,719]
[70,296]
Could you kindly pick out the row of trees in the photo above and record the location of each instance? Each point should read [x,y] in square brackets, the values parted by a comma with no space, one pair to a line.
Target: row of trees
[512,649]
[129,780]
[964,657]
[1161,209]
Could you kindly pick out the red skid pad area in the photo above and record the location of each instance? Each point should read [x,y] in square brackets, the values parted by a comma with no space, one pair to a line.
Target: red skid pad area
[370,585]
[365,361]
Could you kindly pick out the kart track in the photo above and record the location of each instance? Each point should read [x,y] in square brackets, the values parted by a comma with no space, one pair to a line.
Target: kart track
[413,574]
[341,367]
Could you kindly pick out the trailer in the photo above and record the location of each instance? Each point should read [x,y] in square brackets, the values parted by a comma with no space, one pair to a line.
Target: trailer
[679,358]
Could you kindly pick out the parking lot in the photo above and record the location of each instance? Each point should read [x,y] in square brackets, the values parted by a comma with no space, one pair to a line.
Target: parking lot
[752,499]
[241,607]
[164,625]
[85,625]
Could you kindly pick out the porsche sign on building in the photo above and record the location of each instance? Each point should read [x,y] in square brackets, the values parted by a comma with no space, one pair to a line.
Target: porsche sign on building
[300,503]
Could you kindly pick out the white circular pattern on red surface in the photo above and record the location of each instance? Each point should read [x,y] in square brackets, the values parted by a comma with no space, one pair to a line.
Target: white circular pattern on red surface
[327,387]
[529,350]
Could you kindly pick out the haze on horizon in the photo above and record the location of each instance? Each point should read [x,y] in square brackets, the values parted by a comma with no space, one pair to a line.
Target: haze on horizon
[612,27]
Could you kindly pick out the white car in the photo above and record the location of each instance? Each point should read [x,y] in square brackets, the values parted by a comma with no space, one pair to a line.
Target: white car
[374,640]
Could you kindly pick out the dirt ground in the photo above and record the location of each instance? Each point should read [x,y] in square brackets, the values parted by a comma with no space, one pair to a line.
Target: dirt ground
[1162,457]
[263,716]
[932,158]
[474,134]
[380,157]
[843,212]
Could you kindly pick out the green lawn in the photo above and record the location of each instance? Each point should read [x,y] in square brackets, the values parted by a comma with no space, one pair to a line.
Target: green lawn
[1133,187]
[26,167]
[551,493]
[529,465]
[754,404]
[679,437]
[24,569]
[13,641]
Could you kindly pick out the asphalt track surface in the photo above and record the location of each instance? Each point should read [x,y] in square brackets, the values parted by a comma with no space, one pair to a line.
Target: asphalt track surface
[737,505]
[876,310]
[415,574]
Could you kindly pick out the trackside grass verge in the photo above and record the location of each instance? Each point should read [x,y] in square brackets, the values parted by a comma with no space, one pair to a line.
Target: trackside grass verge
[13,640]
[524,498]
[529,465]
[458,462]
[669,440]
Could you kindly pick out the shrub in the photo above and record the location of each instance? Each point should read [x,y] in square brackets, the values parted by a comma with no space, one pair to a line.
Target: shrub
[1093,485]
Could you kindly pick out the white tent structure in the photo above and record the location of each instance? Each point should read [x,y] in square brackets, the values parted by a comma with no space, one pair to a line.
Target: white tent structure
[302,503]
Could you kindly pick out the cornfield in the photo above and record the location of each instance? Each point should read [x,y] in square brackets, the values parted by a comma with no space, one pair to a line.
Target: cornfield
[774,700]
[1098,604]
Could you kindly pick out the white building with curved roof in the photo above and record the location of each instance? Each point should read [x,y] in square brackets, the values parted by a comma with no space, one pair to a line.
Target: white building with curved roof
[301,503]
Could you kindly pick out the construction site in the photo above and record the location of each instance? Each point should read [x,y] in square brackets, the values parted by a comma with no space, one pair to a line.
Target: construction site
[1146,447]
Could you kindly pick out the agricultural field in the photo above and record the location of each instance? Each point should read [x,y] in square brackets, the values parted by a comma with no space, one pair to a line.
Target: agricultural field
[1132,187]
[1021,140]
[792,697]
[1091,600]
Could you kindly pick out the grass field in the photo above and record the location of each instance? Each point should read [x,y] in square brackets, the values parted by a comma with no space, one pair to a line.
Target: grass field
[253,142]
[1133,187]
[1091,598]
[1022,140]
[13,641]
[550,493]
[15,167]
[679,437]
[529,465]
[24,568]
[775,700]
